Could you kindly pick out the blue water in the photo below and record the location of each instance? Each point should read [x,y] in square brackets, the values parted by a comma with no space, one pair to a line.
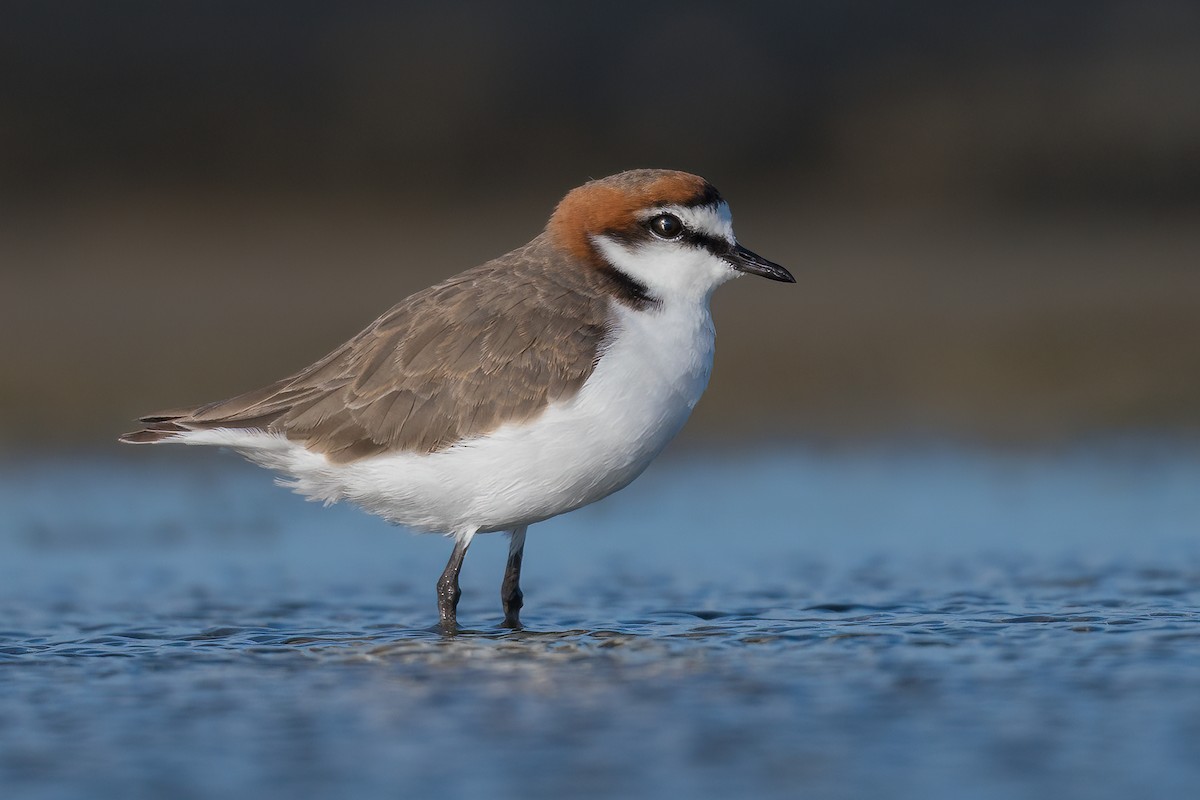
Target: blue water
[898,621]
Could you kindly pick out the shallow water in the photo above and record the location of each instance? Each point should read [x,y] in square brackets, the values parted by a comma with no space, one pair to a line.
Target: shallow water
[893,621]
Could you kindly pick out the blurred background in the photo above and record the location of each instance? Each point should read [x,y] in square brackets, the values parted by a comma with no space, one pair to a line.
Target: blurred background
[991,209]
[961,548]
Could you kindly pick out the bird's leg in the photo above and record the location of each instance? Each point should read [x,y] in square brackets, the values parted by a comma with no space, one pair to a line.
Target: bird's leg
[447,586]
[510,590]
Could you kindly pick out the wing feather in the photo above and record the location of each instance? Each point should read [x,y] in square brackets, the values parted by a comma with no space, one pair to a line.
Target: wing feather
[494,344]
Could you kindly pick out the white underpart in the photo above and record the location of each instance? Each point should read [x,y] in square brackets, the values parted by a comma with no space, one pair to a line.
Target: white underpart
[650,376]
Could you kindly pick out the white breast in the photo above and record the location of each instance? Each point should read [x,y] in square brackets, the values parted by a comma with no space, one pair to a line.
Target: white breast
[645,385]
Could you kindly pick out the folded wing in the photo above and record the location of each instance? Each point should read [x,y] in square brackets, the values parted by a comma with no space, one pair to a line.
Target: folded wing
[454,361]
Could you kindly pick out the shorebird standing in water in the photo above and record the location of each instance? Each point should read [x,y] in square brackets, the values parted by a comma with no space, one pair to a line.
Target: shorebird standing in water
[524,388]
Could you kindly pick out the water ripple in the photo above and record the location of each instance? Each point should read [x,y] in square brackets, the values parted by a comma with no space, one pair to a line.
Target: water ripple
[253,653]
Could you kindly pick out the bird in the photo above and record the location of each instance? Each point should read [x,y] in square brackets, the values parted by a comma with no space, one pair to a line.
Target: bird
[521,389]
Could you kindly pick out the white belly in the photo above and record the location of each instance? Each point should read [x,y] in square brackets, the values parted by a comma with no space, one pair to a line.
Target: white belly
[577,452]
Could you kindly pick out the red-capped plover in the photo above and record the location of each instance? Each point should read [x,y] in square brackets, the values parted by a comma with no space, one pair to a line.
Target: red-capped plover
[524,388]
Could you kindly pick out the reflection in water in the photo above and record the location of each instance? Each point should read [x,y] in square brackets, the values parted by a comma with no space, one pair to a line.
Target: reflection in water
[881,623]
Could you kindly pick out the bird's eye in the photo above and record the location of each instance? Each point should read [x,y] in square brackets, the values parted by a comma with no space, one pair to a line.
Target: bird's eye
[666,226]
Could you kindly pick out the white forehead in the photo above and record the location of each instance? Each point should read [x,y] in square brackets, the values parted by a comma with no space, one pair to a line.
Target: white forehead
[710,220]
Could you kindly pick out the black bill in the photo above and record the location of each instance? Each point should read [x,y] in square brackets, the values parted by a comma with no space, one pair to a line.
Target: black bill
[744,260]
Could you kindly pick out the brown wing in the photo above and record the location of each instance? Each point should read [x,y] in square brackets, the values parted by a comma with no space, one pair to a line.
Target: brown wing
[494,344]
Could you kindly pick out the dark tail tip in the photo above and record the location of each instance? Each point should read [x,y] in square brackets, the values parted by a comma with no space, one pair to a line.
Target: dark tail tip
[157,432]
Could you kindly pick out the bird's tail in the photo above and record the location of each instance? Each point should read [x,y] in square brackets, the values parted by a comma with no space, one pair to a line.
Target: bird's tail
[257,409]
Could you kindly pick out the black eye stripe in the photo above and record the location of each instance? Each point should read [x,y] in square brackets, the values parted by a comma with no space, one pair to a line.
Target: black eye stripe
[639,235]
[716,245]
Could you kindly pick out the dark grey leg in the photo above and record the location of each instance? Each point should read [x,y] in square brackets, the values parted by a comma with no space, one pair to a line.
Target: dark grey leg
[510,591]
[447,587]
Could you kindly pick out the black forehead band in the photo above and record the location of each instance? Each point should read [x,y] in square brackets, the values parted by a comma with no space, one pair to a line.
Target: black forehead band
[708,196]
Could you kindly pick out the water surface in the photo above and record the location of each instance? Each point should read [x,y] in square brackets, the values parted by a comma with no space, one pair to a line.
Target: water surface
[893,621]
